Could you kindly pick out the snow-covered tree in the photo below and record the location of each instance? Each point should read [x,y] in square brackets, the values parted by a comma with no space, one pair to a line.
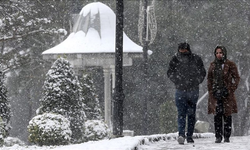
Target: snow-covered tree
[5,112]
[93,110]
[26,30]
[62,95]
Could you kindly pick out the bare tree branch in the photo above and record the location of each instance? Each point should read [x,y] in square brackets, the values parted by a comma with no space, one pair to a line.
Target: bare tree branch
[20,36]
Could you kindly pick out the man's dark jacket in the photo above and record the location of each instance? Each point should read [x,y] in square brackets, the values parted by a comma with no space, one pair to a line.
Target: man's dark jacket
[186,71]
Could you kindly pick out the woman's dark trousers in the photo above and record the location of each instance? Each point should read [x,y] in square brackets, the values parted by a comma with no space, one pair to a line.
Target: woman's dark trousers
[219,120]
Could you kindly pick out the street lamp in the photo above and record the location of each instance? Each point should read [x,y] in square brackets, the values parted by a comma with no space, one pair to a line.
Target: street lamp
[118,93]
[147,28]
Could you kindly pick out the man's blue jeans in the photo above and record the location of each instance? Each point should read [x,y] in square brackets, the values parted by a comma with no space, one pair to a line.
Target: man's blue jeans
[186,106]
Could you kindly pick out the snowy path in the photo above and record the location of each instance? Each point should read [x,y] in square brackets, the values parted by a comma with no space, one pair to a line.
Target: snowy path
[237,143]
[204,142]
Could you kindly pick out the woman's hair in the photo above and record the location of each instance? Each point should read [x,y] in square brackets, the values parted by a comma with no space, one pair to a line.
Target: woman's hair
[224,50]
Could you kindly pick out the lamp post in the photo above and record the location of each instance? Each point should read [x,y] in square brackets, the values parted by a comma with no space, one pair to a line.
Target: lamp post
[118,93]
[147,28]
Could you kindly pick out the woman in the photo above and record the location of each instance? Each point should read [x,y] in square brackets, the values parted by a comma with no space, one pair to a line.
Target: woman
[222,81]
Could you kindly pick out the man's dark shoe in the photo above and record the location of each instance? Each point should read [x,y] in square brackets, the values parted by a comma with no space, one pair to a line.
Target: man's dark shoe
[226,140]
[218,140]
[190,140]
[181,140]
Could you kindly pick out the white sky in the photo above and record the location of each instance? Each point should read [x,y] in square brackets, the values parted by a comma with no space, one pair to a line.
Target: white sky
[91,42]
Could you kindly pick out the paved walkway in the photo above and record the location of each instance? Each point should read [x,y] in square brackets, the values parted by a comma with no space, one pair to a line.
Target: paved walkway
[237,143]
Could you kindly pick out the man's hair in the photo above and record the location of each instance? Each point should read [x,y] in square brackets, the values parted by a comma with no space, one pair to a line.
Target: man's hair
[184,46]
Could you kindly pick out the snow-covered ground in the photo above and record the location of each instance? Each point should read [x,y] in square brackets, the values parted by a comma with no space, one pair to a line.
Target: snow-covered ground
[236,143]
[204,141]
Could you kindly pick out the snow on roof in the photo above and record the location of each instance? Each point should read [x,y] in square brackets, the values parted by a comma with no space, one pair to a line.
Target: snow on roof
[94,32]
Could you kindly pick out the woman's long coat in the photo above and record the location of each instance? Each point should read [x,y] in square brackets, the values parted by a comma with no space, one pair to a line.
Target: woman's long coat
[231,80]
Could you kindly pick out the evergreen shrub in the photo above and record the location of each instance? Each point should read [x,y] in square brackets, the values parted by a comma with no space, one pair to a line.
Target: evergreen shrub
[62,95]
[96,130]
[49,129]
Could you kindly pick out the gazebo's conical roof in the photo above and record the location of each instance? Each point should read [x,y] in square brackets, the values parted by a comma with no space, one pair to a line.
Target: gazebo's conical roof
[94,32]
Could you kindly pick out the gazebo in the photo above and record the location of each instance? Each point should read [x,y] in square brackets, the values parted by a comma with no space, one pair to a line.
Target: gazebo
[92,43]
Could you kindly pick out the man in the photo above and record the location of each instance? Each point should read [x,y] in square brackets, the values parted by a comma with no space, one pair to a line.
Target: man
[186,71]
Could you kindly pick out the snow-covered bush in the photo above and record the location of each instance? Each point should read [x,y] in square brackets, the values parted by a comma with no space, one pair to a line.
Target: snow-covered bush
[49,129]
[62,95]
[96,130]
[10,141]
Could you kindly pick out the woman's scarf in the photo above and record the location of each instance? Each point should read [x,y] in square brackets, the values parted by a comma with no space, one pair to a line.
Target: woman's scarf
[218,75]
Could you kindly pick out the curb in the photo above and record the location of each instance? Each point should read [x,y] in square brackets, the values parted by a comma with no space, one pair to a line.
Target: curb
[165,137]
